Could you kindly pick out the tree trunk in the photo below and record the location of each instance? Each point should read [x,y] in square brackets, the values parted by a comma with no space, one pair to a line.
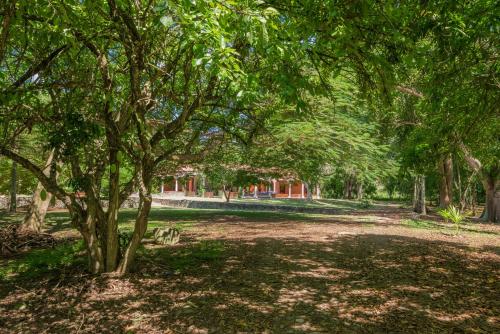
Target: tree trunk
[446,182]
[490,182]
[141,221]
[96,257]
[39,203]
[226,193]
[112,242]
[359,191]
[492,209]
[13,188]
[419,195]
[309,196]
[318,192]
[346,187]
[141,225]
[473,199]
[38,209]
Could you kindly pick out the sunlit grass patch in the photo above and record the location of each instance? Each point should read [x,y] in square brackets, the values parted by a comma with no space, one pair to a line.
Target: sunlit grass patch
[420,223]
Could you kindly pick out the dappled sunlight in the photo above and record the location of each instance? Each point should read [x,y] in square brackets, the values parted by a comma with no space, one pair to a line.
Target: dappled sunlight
[237,275]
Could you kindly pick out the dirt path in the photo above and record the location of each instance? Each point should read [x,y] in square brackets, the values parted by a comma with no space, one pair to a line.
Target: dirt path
[363,273]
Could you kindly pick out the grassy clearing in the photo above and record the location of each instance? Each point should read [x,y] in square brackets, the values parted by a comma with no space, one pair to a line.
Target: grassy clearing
[448,228]
[182,219]
[341,204]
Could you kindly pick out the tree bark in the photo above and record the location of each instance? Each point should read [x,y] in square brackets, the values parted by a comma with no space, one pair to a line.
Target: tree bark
[348,184]
[309,196]
[141,224]
[9,13]
[318,192]
[359,191]
[141,221]
[419,195]
[40,201]
[13,188]
[490,182]
[226,193]
[492,209]
[112,243]
[446,181]
[96,258]
[38,209]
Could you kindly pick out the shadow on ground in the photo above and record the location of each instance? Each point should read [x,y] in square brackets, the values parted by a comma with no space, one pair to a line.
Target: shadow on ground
[352,284]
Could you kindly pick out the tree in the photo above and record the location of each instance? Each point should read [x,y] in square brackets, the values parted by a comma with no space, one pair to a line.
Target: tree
[113,85]
[333,132]
[40,202]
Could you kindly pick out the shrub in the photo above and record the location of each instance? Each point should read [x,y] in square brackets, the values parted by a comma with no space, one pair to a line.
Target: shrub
[453,214]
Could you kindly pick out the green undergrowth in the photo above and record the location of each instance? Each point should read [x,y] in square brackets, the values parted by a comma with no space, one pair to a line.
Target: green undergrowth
[43,261]
[422,224]
[445,228]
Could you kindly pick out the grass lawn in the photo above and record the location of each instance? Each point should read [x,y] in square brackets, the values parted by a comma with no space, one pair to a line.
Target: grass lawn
[341,204]
[363,271]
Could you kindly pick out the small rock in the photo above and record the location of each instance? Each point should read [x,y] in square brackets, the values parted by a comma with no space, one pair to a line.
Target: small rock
[166,236]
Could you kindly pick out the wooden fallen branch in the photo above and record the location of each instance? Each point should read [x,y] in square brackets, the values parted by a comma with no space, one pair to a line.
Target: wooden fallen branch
[13,239]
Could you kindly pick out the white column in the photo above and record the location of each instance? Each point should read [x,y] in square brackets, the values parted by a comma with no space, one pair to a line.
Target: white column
[255,190]
[176,184]
[318,192]
[289,189]
[275,183]
[302,190]
[162,186]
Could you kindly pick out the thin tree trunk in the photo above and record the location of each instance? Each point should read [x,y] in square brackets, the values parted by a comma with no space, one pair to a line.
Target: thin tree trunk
[347,182]
[423,209]
[96,256]
[141,221]
[419,195]
[415,193]
[309,196]
[360,191]
[226,193]
[40,201]
[112,243]
[13,188]
[473,199]
[9,13]
[141,224]
[446,182]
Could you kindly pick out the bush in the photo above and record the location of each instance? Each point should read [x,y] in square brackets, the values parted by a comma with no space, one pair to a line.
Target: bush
[453,214]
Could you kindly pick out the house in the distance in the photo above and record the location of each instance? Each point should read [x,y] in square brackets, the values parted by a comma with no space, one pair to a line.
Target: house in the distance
[188,182]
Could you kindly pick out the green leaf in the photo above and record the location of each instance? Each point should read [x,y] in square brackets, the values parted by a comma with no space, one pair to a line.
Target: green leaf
[167,21]
[43,195]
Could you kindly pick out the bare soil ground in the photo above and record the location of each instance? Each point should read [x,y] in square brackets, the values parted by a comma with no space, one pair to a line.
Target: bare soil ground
[365,272]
